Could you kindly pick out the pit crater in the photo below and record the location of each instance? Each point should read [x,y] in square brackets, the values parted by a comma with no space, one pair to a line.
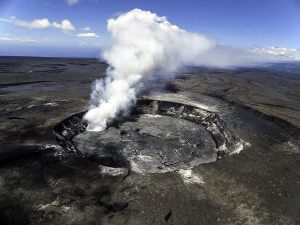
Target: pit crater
[163,133]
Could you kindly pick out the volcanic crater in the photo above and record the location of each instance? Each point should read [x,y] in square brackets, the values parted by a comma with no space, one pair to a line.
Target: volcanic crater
[164,132]
[207,112]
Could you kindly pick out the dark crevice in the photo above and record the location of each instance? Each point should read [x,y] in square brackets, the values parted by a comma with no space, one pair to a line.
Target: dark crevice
[168,216]
[23,83]
[16,118]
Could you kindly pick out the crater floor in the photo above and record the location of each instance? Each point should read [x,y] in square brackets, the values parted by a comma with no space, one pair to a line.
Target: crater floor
[150,144]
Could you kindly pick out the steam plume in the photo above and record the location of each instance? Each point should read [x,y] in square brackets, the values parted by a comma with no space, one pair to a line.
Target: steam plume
[143,46]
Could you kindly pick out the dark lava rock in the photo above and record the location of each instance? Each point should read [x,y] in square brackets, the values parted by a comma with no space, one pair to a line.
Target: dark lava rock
[250,116]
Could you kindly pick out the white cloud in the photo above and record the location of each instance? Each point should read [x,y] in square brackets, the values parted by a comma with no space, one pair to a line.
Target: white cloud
[278,53]
[72,2]
[64,25]
[34,24]
[88,35]
[18,39]
[87,29]
[5,20]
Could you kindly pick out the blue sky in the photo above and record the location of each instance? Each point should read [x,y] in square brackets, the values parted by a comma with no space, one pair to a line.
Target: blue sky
[240,23]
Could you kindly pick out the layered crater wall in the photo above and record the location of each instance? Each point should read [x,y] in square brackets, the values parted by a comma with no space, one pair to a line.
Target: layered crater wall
[164,132]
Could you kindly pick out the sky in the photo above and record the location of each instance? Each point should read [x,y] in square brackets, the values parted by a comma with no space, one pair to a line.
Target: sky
[77,28]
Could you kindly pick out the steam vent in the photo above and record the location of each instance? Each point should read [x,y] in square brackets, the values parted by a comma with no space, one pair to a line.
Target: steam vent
[164,132]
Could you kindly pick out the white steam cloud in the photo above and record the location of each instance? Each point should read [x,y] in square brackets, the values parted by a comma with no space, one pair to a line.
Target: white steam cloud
[144,46]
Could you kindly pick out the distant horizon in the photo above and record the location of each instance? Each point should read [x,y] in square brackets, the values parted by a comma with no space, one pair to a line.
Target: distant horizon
[59,57]
[64,52]
[77,28]
[92,54]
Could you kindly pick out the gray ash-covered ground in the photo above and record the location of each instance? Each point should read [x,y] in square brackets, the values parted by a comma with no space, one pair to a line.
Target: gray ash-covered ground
[244,122]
